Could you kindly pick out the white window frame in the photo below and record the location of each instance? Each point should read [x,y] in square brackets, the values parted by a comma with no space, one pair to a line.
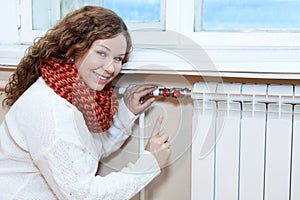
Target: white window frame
[27,34]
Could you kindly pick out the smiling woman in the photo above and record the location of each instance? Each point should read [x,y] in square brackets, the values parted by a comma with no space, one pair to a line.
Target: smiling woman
[64,83]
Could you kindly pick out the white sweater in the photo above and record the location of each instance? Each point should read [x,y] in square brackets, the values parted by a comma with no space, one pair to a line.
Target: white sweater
[47,152]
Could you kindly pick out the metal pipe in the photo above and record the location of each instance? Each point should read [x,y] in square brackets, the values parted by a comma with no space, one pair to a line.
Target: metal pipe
[142,144]
[163,92]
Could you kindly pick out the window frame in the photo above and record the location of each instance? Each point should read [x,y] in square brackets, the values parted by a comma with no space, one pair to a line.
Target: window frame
[246,38]
[26,33]
[181,19]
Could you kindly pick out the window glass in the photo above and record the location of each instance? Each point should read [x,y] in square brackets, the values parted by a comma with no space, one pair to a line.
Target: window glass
[68,5]
[215,15]
[135,10]
[46,13]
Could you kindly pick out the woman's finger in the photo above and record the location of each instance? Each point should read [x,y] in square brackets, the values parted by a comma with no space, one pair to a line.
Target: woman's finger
[164,138]
[130,86]
[144,91]
[140,88]
[157,126]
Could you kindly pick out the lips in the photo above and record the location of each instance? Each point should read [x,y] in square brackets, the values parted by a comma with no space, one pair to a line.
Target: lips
[101,78]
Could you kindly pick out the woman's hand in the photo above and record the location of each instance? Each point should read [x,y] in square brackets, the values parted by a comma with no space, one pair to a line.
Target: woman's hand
[133,95]
[159,145]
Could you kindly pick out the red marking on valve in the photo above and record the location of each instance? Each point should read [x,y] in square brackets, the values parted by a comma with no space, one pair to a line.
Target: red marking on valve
[165,92]
[177,94]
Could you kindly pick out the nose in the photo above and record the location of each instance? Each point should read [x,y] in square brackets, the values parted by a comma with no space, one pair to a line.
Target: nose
[109,66]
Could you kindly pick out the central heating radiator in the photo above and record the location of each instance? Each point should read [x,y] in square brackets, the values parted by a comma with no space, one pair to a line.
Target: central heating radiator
[246,142]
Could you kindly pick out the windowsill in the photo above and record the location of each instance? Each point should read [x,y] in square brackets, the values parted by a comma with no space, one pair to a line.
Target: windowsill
[219,61]
[236,62]
[10,55]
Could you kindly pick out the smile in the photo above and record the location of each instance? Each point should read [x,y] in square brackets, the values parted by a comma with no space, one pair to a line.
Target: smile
[101,77]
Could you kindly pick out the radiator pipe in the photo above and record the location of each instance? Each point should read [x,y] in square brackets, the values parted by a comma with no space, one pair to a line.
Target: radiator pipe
[142,145]
[163,92]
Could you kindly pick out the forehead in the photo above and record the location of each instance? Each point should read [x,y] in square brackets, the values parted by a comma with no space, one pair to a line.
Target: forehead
[115,45]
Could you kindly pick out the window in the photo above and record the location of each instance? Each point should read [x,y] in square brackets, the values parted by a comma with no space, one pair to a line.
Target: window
[44,14]
[244,44]
[38,16]
[247,15]
[251,23]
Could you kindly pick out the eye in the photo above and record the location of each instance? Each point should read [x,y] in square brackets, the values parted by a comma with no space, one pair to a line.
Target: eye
[118,59]
[101,53]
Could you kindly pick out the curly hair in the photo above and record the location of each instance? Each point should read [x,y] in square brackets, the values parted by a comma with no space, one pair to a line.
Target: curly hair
[72,36]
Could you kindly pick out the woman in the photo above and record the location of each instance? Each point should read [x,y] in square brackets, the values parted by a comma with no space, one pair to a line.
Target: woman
[64,116]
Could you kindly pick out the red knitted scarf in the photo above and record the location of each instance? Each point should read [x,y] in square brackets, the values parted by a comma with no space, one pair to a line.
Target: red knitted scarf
[98,107]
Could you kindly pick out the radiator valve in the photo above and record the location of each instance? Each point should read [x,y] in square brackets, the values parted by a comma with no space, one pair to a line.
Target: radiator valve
[172,92]
[163,92]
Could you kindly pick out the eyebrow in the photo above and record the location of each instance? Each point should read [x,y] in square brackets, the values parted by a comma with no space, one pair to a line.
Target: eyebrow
[108,49]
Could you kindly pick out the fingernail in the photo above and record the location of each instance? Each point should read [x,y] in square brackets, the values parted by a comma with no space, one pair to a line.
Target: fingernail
[152,99]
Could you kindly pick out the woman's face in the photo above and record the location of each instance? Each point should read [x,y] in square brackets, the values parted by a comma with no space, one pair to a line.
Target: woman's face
[102,62]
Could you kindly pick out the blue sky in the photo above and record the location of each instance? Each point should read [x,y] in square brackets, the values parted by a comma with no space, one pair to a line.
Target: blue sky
[251,14]
[135,10]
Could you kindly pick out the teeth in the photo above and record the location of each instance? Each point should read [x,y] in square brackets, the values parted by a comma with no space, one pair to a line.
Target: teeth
[100,77]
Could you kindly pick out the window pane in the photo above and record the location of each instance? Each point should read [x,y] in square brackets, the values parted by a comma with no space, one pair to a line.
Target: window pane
[68,5]
[147,12]
[135,10]
[44,14]
[250,14]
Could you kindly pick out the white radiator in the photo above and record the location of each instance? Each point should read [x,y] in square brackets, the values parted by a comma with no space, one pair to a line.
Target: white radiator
[246,142]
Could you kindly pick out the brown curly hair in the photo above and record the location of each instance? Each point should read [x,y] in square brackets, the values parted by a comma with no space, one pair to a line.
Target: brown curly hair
[72,36]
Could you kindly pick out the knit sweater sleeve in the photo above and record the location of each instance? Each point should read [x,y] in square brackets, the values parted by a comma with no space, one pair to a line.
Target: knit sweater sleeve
[121,128]
[69,170]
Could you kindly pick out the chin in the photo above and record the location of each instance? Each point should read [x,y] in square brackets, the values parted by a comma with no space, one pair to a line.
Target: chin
[99,87]
[96,87]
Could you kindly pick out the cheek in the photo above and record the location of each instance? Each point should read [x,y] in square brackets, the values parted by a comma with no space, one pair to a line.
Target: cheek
[117,69]
[89,62]
[81,70]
